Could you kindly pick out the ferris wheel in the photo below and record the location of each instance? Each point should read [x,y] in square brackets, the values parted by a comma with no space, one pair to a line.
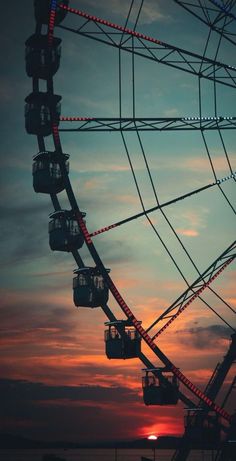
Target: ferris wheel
[93,285]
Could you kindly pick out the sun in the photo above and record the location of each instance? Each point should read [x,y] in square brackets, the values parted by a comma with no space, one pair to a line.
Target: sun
[152,437]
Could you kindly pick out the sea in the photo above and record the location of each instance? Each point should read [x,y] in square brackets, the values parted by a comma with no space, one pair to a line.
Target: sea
[89,454]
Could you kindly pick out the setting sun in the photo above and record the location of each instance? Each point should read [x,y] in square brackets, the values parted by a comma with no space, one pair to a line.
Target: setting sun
[152,437]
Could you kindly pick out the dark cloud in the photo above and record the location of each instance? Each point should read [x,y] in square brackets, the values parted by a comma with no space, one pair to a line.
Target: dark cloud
[17,390]
[33,313]
[24,232]
[75,423]
[204,337]
[65,412]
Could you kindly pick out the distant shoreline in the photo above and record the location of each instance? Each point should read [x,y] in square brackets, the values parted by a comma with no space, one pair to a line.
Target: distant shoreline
[11,442]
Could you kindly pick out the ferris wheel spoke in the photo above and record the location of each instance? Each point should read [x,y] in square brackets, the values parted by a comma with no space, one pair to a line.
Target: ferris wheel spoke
[214,171]
[160,206]
[183,301]
[225,150]
[149,123]
[159,51]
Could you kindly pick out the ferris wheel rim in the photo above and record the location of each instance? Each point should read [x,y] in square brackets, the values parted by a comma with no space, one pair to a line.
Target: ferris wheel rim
[98,262]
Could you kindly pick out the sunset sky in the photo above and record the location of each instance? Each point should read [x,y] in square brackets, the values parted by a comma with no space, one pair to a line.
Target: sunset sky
[56,382]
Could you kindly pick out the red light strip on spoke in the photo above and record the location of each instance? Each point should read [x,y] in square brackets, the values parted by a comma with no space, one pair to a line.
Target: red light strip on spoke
[200,394]
[56,136]
[196,294]
[51,22]
[111,24]
[104,229]
[76,119]
[83,227]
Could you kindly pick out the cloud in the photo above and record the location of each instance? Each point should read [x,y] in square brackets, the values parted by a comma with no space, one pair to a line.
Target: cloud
[6,91]
[152,11]
[17,390]
[172,112]
[188,232]
[212,336]
[89,164]
[20,229]
[127,199]
[70,410]
[200,164]
[196,219]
